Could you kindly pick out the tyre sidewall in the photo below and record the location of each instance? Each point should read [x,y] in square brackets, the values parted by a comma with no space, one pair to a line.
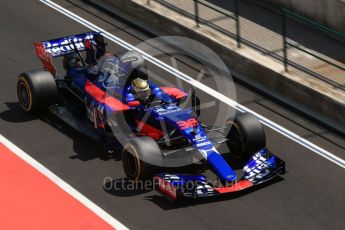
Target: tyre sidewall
[41,87]
[252,135]
[147,155]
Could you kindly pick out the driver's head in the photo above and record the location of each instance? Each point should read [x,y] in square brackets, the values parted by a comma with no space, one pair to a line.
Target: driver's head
[140,89]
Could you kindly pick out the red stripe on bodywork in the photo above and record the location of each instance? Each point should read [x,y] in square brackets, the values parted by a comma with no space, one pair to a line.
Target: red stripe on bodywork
[149,130]
[166,188]
[175,92]
[243,184]
[103,97]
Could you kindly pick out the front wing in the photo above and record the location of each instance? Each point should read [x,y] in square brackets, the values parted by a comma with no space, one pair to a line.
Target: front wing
[182,186]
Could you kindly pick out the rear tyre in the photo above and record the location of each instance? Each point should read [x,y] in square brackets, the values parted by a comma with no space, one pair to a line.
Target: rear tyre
[245,136]
[141,158]
[36,89]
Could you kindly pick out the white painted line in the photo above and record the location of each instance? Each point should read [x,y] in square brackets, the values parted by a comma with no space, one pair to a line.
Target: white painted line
[62,184]
[287,133]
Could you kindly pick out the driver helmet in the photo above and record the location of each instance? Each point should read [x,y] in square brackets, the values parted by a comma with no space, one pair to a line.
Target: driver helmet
[140,88]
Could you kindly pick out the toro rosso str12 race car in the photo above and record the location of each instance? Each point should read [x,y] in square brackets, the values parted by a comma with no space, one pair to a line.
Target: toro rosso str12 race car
[112,100]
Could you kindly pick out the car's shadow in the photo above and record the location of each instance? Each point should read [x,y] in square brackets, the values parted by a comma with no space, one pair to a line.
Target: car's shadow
[85,148]
[15,114]
[122,187]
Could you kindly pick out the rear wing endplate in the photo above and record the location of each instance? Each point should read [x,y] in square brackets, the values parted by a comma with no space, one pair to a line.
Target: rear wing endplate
[47,50]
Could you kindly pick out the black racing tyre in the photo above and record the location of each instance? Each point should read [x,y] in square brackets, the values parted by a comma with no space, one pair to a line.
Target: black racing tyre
[36,89]
[141,158]
[245,135]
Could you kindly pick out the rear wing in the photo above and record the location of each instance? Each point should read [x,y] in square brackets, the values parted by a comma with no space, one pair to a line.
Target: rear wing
[47,50]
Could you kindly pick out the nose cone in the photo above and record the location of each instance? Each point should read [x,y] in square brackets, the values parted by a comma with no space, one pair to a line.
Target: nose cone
[219,165]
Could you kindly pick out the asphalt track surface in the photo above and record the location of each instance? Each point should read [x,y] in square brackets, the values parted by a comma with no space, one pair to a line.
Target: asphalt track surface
[310,196]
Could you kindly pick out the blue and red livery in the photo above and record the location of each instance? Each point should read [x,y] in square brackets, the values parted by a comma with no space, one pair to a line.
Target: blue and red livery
[110,93]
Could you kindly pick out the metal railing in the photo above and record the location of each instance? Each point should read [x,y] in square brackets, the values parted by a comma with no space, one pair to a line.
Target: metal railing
[287,17]
[287,44]
[234,16]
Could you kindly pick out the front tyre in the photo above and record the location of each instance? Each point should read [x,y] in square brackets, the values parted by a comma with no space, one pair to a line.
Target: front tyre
[245,135]
[36,89]
[141,158]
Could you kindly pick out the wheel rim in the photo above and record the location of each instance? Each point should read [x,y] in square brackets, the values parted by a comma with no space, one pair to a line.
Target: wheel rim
[131,165]
[235,142]
[24,95]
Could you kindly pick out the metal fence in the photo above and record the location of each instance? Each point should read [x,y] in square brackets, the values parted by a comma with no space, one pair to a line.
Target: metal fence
[312,24]
[289,37]
[233,16]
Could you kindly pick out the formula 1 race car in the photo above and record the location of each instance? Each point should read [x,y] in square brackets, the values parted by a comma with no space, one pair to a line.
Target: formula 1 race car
[113,101]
